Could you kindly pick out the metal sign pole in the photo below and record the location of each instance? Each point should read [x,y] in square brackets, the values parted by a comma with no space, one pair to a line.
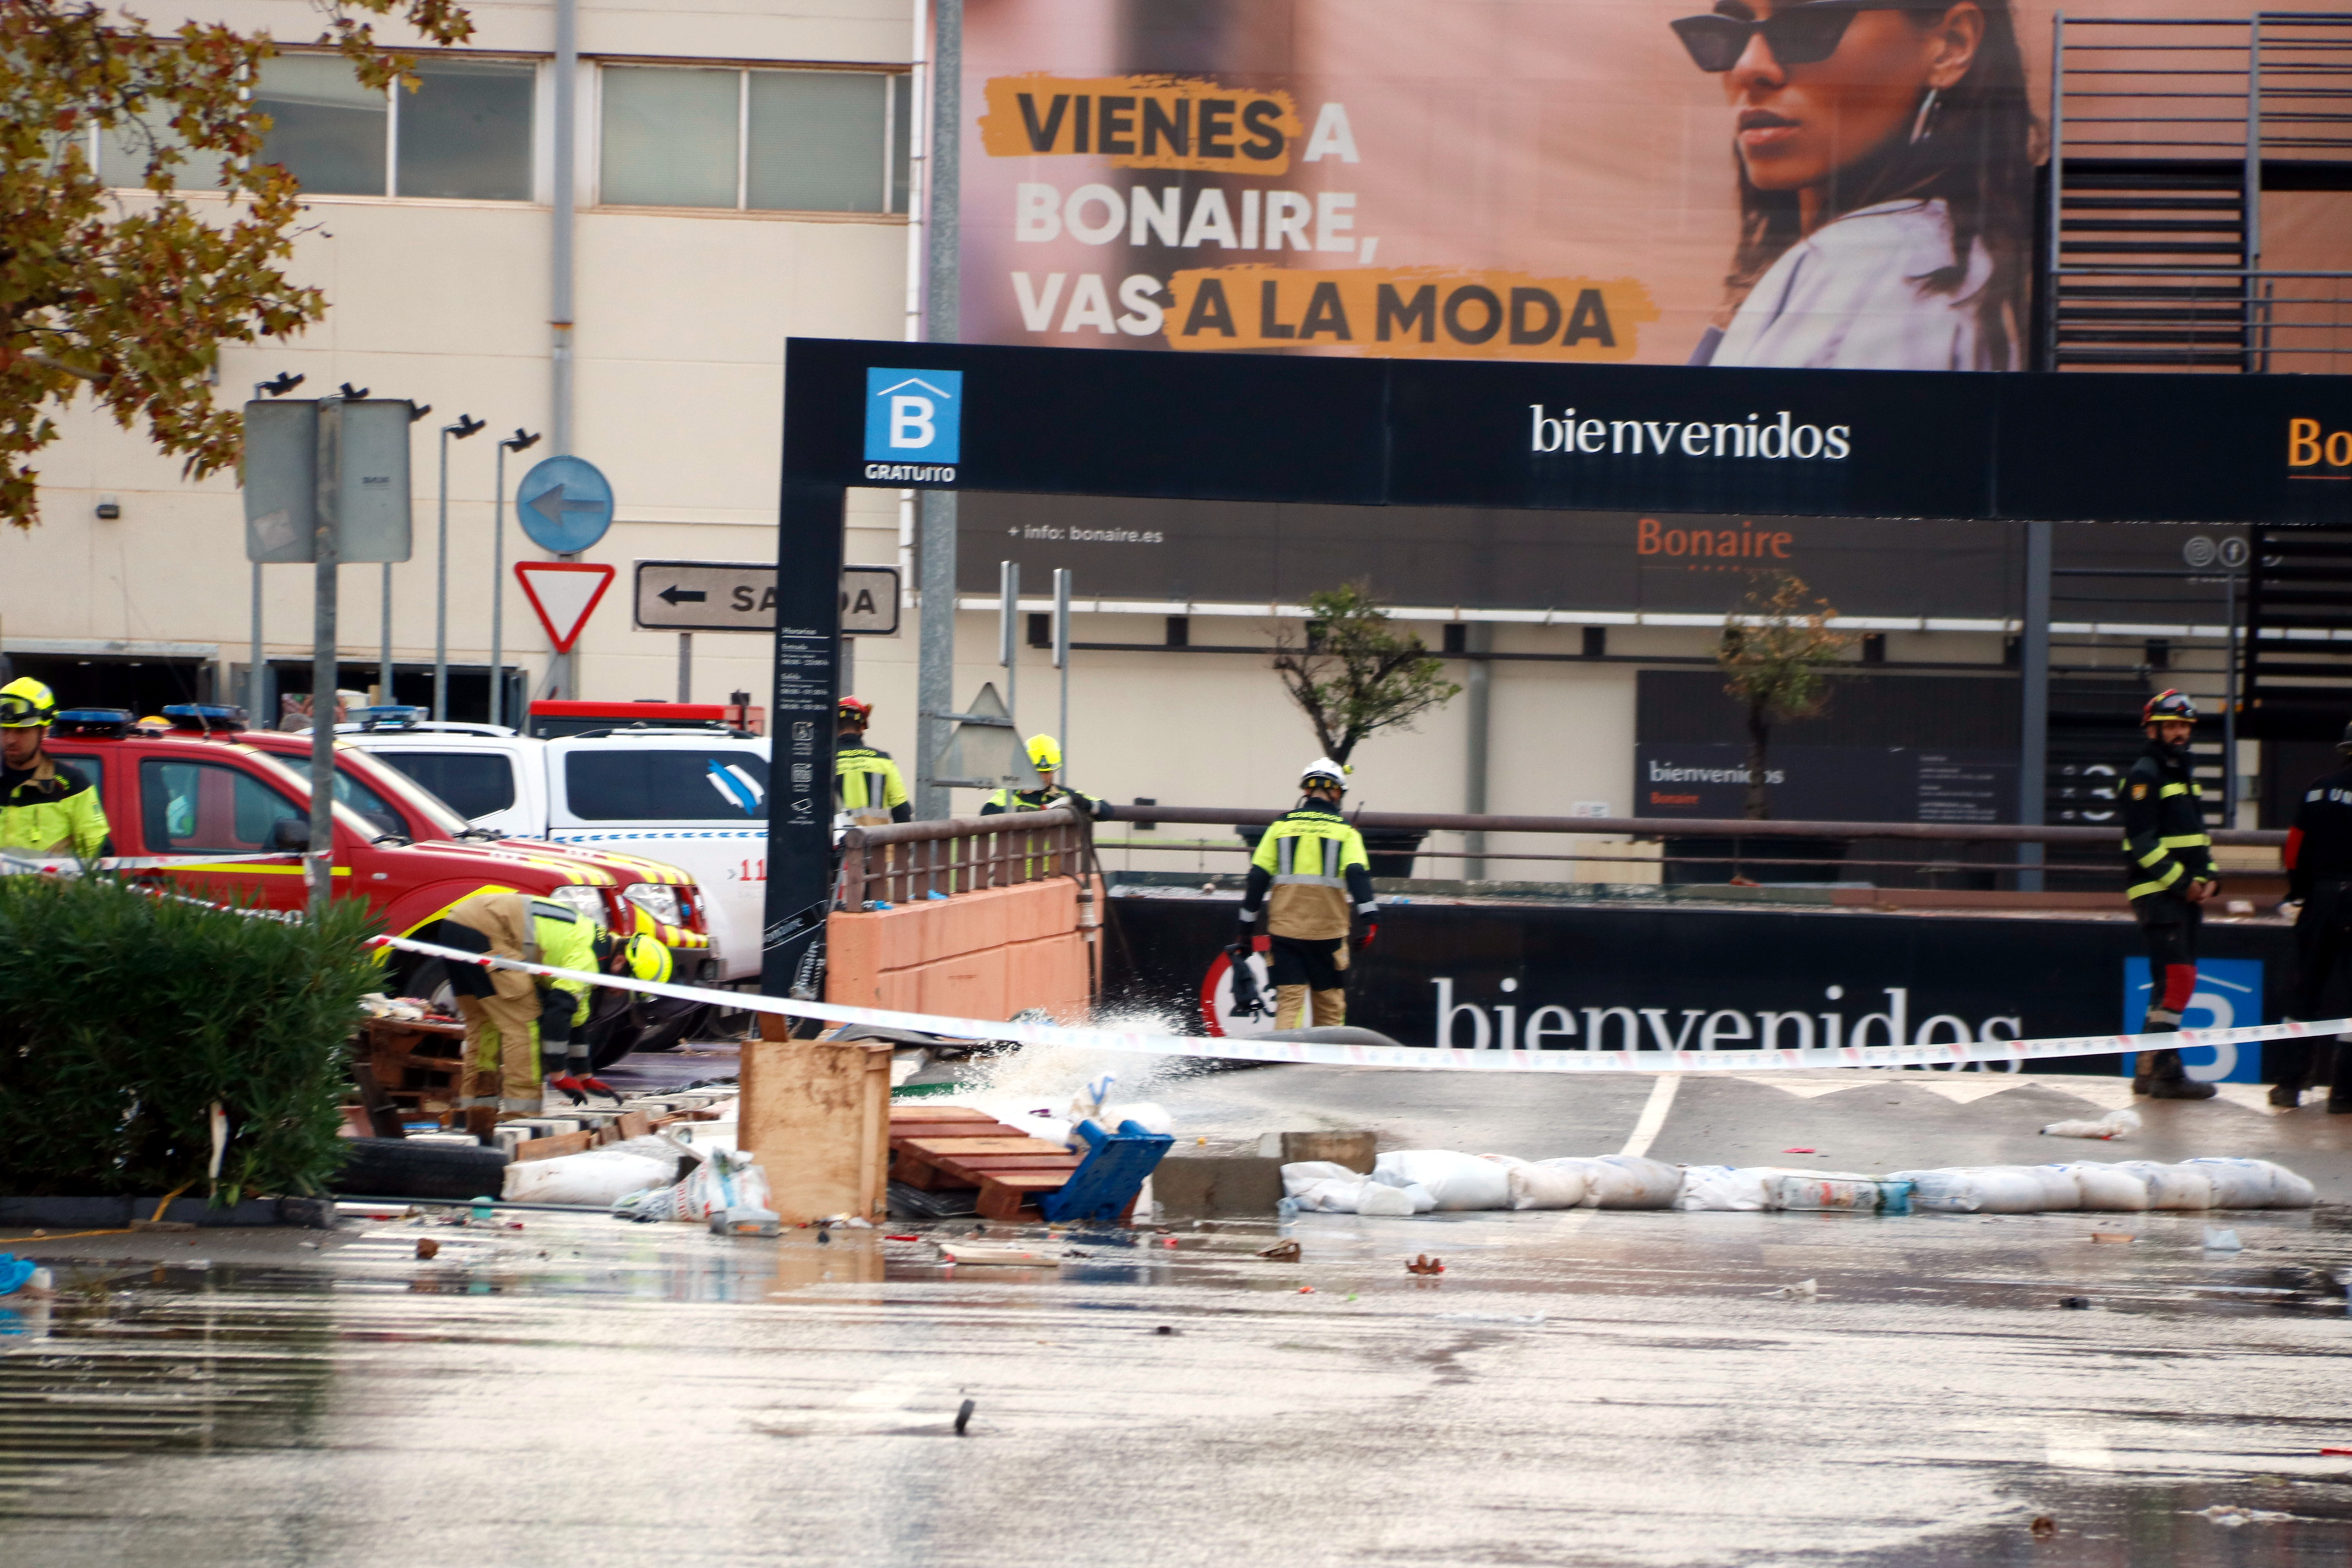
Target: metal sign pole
[1062,655]
[383,654]
[498,587]
[801,725]
[1008,635]
[319,865]
[686,667]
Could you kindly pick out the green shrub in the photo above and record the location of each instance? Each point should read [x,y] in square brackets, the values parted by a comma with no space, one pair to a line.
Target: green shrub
[123,1017]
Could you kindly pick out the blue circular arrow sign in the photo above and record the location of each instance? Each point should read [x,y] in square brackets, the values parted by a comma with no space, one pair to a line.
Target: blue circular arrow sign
[565,504]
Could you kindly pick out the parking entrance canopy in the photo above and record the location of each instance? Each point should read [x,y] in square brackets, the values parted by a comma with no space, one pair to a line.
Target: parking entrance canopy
[2135,448]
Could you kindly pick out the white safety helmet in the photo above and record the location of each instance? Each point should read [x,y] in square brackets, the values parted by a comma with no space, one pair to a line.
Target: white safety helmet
[1323,770]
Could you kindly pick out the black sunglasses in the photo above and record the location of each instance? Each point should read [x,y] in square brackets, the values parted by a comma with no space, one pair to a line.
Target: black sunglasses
[1797,35]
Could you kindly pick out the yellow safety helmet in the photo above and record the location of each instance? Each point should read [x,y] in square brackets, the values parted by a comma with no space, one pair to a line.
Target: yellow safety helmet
[1044,754]
[27,704]
[647,959]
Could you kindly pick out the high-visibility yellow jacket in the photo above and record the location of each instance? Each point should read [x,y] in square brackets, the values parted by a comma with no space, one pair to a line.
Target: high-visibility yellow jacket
[50,808]
[1005,800]
[864,777]
[1313,863]
[2165,846]
[554,935]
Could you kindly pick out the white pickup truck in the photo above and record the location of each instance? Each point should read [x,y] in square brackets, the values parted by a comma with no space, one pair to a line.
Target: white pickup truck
[693,796]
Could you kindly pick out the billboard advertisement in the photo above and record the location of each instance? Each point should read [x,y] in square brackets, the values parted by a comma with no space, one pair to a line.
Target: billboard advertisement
[1826,186]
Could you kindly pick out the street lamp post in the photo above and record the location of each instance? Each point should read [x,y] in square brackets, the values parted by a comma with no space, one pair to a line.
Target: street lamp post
[467,424]
[256,682]
[521,441]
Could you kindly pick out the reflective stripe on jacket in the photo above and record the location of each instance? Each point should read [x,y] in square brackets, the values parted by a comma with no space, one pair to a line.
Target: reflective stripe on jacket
[864,777]
[51,808]
[1005,800]
[1313,863]
[2165,846]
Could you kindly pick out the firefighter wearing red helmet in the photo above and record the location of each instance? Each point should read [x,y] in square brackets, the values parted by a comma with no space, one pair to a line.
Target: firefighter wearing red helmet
[866,783]
[2169,858]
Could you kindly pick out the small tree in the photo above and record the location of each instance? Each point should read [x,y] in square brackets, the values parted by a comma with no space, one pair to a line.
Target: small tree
[127,296]
[1352,672]
[1775,655]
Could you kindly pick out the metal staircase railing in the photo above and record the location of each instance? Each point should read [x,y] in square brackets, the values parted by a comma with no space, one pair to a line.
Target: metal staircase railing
[2164,135]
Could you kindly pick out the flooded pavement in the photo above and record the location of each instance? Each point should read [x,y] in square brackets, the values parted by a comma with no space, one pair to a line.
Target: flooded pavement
[1581,1388]
[1584,1387]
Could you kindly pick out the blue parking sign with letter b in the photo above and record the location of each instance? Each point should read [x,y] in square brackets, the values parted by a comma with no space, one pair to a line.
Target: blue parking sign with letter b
[914,416]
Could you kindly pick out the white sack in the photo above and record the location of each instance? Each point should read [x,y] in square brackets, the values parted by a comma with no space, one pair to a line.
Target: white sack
[1457,1181]
[1331,1195]
[1545,1186]
[1833,1191]
[1301,1174]
[596,1177]
[2237,1182]
[2172,1186]
[2108,1189]
[1625,1181]
[1975,1189]
[2060,1191]
[1373,1198]
[1505,1161]
[1741,1189]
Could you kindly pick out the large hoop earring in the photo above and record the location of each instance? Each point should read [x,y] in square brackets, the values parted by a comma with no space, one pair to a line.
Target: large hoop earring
[1922,125]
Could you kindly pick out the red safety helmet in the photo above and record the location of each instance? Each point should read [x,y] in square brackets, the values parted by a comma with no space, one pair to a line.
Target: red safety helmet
[855,711]
[2169,707]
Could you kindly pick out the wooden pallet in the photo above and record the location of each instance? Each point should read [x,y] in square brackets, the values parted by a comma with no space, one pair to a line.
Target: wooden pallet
[935,1148]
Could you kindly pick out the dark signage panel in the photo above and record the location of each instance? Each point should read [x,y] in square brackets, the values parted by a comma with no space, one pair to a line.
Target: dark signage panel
[1885,444]
[1827,783]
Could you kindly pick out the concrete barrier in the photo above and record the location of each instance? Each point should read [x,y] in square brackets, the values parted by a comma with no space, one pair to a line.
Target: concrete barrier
[986,954]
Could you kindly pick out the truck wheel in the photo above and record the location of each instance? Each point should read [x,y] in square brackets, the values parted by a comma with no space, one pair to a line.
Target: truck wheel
[397,1168]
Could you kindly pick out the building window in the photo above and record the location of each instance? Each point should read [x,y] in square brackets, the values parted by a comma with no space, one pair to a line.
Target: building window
[464,134]
[758,141]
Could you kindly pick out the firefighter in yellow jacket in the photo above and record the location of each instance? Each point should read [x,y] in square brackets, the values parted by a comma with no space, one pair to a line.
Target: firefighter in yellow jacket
[1312,864]
[866,784]
[511,1017]
[47,807]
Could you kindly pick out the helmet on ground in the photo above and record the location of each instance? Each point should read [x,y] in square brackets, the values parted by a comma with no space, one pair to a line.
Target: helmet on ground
[647,958]
[2169,707]
[1323,770]
[26,704]
[855,711]
[1044,754]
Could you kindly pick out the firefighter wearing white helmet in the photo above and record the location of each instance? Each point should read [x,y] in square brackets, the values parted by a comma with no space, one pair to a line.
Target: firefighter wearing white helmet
[1312,882]
[1045,756]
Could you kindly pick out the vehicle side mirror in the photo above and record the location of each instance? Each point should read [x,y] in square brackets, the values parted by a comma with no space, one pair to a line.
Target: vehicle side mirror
[290,836]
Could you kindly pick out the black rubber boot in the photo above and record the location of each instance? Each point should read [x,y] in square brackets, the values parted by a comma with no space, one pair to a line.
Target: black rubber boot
[2171,1082]
[2287,1095]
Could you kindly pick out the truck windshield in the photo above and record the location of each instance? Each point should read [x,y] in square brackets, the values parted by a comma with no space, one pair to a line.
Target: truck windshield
[683,784]
[364,787]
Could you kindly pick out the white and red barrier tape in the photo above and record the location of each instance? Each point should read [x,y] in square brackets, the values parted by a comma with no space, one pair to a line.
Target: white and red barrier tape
[1421,1058]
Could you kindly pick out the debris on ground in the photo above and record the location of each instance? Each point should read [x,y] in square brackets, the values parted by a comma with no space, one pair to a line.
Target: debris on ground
[1282,1252]
[963,1415]
[2219,1240]
[2232,1518]
[2114,1124]
[428,1248]
[2075,1303]
[2042,1528]
[2120,1237]
[1802,1291]
[1425,1264]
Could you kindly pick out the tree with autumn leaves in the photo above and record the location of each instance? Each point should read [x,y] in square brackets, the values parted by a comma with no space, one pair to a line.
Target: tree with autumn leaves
[125,297]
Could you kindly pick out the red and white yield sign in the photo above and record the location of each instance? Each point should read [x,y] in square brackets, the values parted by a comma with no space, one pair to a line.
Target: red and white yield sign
[564,593]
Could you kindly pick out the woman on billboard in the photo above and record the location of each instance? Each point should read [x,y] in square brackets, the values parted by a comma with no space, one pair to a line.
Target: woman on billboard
[1884,152]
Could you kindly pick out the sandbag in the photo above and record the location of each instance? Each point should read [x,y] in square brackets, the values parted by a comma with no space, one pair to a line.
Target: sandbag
[2172,1186]
[1537,1187]
[1374,1198]
[596,1177]
[1301,1174]
[1330,1195]
[1457,1181]
[726,1179]
[2108,1189]
[1730,1189]
[1835,1192]
[1975,1189]
[1505,1161]
[1624,1181]
[2059,1192]
[2254,1184]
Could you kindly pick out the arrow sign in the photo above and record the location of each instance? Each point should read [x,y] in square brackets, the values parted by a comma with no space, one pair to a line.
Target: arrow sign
[563,593]
[740,596]
[564,504]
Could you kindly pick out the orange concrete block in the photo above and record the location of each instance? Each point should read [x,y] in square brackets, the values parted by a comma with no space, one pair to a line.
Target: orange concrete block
[1040,910]
[898,990]
[1050,974]
[902,935]
[969,923]
[853,946]
[970,985]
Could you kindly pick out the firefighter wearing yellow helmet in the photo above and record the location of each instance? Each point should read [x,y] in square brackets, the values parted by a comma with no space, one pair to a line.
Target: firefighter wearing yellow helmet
[47,807]
[1045,756]
[1312,864]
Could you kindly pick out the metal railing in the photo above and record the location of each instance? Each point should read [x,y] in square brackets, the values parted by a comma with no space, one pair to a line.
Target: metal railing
[2100,845]
[899,862]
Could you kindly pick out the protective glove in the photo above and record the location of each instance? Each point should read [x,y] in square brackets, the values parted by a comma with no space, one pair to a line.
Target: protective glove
[1261,943]
[1371,930]
[599,1086]
[571,1087]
